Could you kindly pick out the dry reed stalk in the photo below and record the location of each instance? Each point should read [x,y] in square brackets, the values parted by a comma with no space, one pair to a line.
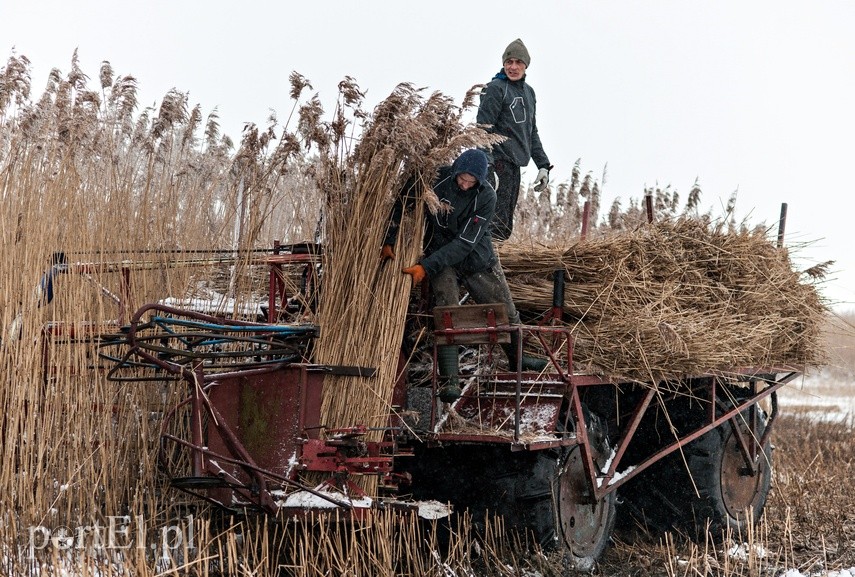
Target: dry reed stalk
[85,177]
[363,303]
[674,298]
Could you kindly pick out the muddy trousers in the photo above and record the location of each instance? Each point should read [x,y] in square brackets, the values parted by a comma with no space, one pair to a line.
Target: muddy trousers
[489,286]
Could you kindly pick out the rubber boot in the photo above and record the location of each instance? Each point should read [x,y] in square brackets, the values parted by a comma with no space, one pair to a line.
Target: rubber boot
[534,364]
[447,367]
[528,363]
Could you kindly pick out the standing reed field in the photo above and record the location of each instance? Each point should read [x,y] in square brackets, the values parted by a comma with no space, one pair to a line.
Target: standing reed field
[129,207]
[107,206]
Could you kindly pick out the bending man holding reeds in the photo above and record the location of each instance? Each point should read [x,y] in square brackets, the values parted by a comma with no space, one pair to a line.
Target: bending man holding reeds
[458,248]
[508,108]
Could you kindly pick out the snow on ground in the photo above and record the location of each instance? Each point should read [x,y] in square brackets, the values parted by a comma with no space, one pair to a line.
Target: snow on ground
[822,398]
[819,397]
[842,573]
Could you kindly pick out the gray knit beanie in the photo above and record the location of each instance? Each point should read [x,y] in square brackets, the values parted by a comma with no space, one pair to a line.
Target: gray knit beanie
[516,49]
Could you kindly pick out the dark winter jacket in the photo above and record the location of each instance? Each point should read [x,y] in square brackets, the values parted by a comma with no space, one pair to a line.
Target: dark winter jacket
[510,108]
[460,236]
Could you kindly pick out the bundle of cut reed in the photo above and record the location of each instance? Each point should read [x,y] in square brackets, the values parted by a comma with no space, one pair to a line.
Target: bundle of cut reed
[675,298]
[363,303]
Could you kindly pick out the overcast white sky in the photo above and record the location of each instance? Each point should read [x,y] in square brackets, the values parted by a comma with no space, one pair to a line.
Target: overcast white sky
[756,97]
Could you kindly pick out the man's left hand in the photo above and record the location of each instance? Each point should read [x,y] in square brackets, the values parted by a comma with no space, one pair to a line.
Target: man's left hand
[416,271]
[542,179]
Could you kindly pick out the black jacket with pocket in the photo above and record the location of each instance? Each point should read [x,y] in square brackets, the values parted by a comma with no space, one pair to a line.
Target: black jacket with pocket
[458,235]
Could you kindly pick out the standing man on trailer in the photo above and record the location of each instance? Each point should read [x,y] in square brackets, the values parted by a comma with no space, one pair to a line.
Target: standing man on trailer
[508,106]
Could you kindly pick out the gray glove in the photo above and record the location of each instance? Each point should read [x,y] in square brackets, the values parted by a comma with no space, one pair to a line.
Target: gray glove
[542,179]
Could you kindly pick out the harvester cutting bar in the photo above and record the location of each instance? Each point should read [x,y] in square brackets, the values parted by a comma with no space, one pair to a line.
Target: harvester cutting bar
[173,341]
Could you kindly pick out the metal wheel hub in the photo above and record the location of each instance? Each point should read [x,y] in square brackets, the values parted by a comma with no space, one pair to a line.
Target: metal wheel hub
[739,489]
[583,521]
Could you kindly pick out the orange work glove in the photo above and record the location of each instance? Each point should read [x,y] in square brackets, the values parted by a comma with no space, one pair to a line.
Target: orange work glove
[416,271]
[386,253]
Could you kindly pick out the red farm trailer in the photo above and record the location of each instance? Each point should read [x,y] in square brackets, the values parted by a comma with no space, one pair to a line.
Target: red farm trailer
[550,451]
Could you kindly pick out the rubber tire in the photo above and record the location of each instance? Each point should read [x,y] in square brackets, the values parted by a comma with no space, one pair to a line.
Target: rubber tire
[530,489]
[551,503]
[586,529]
[664,498]
[725,490]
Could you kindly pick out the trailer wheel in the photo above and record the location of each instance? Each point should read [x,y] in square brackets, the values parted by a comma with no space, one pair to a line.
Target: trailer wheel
[585,526]
[542,493]
[729,497]
[564,517]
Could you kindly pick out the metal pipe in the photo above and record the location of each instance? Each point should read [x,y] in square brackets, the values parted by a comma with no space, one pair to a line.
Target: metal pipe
[125,304]
[558,294]
[273,282]
[196,433]
[782,224]
[648,204]
[519,345]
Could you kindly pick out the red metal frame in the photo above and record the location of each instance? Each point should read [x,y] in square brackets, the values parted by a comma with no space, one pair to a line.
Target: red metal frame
[277,281]
[750,442]
[561,388]
[721,409]
[256,430]
[550,384]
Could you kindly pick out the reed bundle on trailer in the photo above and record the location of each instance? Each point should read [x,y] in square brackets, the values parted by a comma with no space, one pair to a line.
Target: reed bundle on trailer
[674,298]
[363,303]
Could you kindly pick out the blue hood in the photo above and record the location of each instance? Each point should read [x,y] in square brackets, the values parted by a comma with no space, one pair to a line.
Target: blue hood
[472,161]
